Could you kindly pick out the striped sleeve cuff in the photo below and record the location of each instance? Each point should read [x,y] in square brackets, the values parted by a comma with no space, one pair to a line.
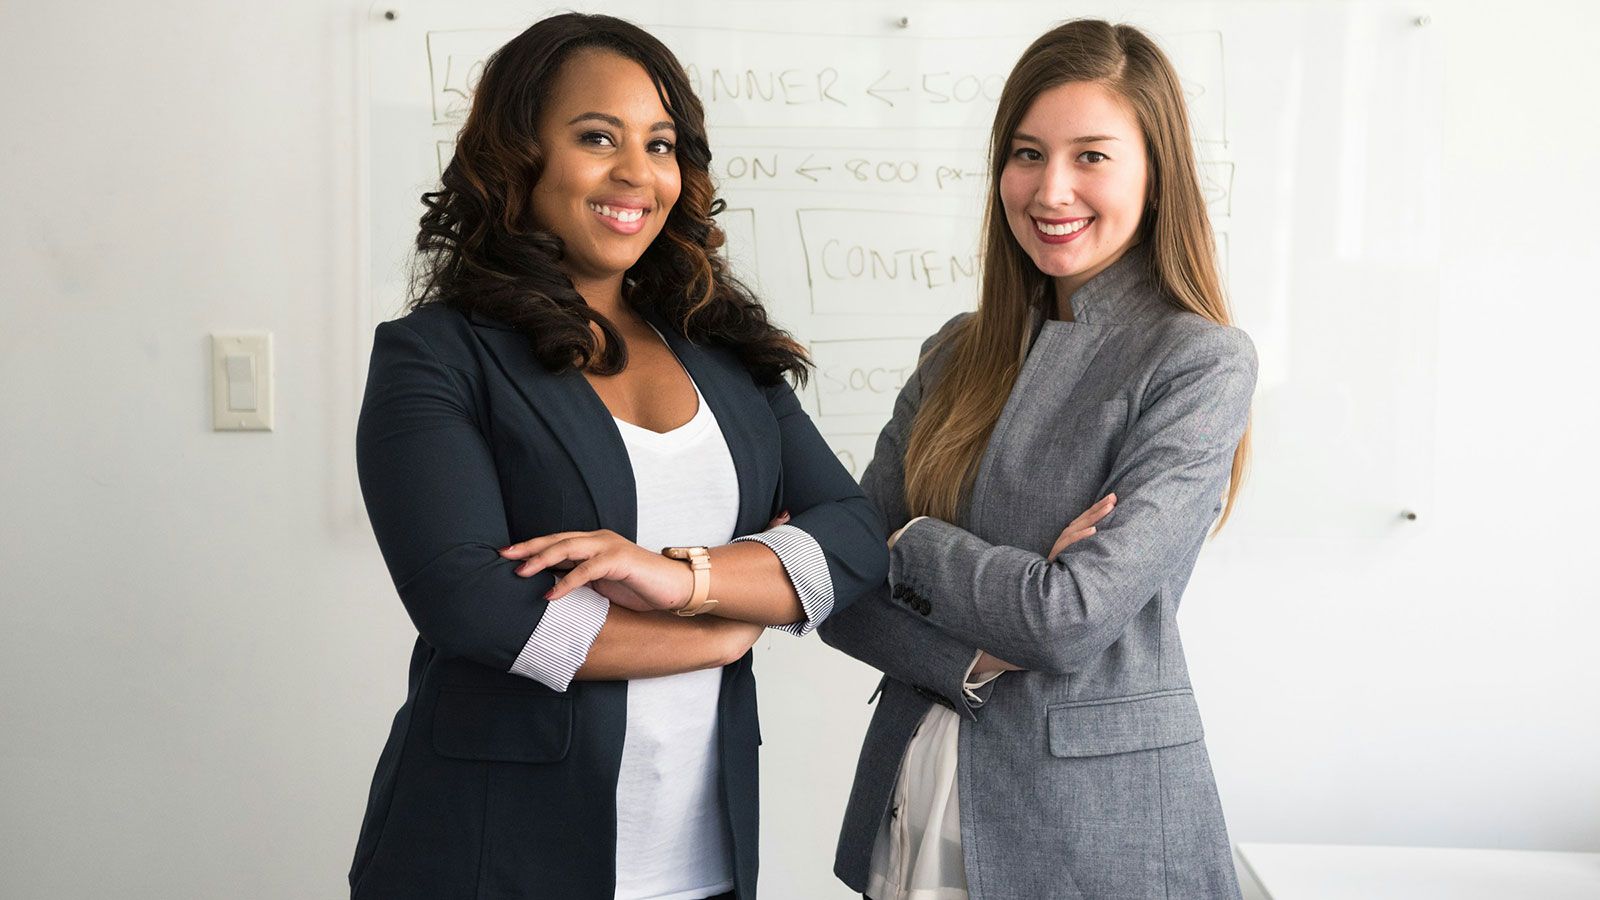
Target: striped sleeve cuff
[561,642]
[803,561]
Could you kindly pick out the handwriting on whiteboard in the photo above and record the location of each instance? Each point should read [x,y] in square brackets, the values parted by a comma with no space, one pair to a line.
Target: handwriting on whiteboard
[905,171]
[854,449]
[770,80]
[884,262]
[857,376]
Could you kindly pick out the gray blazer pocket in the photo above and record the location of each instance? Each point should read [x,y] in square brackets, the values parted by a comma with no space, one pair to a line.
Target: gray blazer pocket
[1124,724]
[502,725]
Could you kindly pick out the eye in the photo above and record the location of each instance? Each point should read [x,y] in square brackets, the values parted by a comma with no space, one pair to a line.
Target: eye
[597,138]
[1093,156]
[662,146]
[1026,154]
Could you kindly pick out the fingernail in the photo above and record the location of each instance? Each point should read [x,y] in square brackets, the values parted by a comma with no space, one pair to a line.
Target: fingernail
[548,593]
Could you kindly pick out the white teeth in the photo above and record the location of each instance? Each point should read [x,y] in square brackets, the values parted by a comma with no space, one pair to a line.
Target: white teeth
[1065,228]
[621,215]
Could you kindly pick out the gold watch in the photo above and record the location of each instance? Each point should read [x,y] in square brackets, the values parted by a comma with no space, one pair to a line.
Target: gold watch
[699,560]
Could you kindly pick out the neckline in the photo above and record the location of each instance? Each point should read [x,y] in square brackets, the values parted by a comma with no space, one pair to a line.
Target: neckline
[700,400]
[677,438]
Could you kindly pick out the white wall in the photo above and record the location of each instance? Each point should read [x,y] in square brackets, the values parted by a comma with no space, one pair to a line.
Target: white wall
[201,651]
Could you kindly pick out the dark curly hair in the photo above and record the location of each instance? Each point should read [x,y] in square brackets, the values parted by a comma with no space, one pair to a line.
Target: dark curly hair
[478,249]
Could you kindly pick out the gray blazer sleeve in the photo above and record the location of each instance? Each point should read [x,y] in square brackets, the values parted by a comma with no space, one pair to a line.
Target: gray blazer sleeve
[877,631]
[1169,476]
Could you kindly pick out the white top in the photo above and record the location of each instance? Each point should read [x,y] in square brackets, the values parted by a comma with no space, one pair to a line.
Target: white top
[917,855]
[672,837]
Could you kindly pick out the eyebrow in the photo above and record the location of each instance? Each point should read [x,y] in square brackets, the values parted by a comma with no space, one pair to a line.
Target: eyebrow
[614,122]
[1086,139]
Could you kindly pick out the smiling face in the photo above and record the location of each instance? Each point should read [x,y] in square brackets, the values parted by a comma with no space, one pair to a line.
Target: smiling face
[610,174]
[1075,182]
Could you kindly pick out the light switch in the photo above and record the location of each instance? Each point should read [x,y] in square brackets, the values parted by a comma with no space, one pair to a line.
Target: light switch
[241,381]
[241,372]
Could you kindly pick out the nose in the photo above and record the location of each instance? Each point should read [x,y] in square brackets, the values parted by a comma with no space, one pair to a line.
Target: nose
[1057,184]
[631,165]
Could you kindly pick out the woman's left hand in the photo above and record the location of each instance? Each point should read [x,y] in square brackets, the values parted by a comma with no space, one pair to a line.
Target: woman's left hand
[620,570]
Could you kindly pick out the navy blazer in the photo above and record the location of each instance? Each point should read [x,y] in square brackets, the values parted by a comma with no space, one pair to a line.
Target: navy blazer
[492,785]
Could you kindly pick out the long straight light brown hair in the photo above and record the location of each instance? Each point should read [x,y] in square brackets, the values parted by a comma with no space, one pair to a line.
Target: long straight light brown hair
[986,351]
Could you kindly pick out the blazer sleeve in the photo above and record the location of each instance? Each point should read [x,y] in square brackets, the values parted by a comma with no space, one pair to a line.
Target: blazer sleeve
[827,505]
[433,497]
[883,634]
[1056,615]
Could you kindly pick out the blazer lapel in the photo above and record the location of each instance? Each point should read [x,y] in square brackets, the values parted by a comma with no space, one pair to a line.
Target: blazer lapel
[574,413]
[740,410]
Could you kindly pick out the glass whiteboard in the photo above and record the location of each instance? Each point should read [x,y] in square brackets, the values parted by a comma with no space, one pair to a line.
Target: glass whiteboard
[849,142]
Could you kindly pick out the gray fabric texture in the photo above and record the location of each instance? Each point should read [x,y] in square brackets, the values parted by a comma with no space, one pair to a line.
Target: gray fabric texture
[1085,776]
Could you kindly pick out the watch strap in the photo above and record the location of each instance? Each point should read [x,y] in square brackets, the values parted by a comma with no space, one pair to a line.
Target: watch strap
[699,560]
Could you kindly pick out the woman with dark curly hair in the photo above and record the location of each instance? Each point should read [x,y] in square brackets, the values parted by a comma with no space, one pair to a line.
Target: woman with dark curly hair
[581,386]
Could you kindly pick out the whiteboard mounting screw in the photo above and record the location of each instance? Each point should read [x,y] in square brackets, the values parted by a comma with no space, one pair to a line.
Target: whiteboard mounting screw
[390,14]
[1422,21]
[1408,515]
[903,22]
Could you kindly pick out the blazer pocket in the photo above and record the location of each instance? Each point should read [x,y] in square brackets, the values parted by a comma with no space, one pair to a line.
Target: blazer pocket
[1124,724]
[502,725]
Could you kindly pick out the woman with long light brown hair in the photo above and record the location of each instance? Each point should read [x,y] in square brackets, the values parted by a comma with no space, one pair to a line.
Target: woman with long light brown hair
[1036,733]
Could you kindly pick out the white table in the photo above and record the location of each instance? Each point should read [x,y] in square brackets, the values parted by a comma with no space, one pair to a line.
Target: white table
[1334,872]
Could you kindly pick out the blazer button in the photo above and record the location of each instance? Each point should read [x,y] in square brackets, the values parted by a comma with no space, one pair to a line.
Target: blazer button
[899,592]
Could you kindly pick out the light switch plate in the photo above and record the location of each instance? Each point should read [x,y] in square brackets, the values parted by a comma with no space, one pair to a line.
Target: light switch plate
[241,387]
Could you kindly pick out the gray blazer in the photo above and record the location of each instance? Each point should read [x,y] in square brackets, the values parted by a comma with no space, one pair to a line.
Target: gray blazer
[1086,775]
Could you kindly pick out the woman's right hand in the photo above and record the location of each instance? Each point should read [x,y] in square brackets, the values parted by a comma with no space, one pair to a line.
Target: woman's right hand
[1076,530]
[1083,525]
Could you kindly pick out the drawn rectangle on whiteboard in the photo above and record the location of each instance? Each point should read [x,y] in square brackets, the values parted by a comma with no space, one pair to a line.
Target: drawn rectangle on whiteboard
[455,63]
[853,448]
[739,226]
[1198,56]
[770,79]
[862,377]
[1216,186]
[872,262]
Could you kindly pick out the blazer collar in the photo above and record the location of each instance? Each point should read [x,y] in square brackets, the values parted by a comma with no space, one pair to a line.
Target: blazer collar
[1127,291]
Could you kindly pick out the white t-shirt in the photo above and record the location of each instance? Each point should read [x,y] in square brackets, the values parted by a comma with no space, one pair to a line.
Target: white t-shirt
[672,832]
